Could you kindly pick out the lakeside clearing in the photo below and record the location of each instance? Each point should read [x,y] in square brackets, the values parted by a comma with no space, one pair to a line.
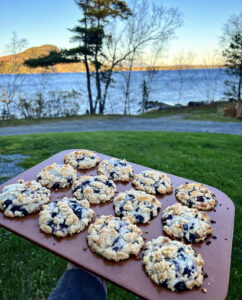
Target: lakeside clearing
[202,113]
[183,154]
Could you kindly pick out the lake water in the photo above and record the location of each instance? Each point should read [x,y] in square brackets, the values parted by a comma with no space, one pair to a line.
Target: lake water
[170,87]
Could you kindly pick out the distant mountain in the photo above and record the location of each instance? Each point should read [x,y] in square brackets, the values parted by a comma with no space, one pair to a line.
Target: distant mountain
[7,63]
[36,52]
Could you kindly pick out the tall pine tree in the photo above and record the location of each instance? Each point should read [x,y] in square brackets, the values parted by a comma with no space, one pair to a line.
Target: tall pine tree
[233,58]
[90,35]
[231,42]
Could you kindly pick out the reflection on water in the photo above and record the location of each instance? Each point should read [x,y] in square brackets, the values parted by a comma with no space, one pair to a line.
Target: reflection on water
[166,86]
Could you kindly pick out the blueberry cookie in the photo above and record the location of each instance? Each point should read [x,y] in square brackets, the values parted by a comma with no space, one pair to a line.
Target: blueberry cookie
[82,159]
[116,169]
[186,224]
[153,182]
[140,206]
[172,264]
[65,217]
[95,189]
[57,176]
[196,195]
[23,198]
[114,238]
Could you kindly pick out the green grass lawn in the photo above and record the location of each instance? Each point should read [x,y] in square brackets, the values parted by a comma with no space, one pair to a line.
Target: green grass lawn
[23,122]
[29,272]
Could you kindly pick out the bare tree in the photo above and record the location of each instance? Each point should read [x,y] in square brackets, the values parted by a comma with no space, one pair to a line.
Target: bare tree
[14,48]
[230,29]
[182,61]
[149,30]
[209,74]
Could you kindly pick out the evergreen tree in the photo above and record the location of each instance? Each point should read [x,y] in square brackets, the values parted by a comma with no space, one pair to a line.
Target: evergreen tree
[231,42]
[97,14]
[90,34]
[233,57]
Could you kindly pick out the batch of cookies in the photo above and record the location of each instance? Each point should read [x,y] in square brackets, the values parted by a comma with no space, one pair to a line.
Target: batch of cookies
[170,263]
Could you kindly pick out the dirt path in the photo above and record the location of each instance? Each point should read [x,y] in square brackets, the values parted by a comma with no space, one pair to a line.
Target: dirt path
[173,123]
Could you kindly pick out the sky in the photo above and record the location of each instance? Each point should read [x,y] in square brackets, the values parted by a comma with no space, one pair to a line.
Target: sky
[46,22]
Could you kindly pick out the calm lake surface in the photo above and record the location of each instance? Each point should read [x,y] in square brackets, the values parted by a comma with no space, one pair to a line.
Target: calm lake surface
[170,87]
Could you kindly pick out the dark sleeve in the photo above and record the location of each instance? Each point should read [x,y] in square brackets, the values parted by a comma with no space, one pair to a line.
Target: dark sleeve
[77,284]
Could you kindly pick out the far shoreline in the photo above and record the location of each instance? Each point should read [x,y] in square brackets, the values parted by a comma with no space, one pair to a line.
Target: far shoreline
[165,68]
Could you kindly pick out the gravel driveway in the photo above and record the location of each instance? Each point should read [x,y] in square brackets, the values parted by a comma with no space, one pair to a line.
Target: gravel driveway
[173,123]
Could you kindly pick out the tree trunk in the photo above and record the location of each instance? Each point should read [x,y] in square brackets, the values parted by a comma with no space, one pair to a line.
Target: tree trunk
[107,86]
[99,93]
[127,93]
[89,89]
[239,87]
[98,86]
[92,111]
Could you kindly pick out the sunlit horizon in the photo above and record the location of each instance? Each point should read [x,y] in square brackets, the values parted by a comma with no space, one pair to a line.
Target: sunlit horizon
[47,22]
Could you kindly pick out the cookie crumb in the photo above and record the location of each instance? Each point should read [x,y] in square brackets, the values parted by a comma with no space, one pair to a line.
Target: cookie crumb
[214,237]
[144,238]
[147,232]
[225,239]
[214,210]
[213,222]
[204,290]
[205,275]
[53,243]
[209,283]
[208,242]
[84,249]
[227,207]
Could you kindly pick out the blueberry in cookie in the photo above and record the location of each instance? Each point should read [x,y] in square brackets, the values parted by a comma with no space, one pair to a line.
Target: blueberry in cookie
[66,216]
[172,264]
[152,182]
[114,238]
[57,176]
[141,207]
[186,224]
[196,195]
[23,198]
[116,169]
[82,159]
[95,189]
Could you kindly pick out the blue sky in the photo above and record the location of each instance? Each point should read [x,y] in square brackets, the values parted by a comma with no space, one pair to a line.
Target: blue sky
[46,22]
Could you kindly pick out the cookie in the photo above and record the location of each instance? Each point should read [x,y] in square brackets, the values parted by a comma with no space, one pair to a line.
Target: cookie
[153,182]
[186,224]
[114,238]
[172,264]
[66,216]
[140,206]
[116,169]
[95,189]
[196,195]
[82,159]
[57,176]
[23,198]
